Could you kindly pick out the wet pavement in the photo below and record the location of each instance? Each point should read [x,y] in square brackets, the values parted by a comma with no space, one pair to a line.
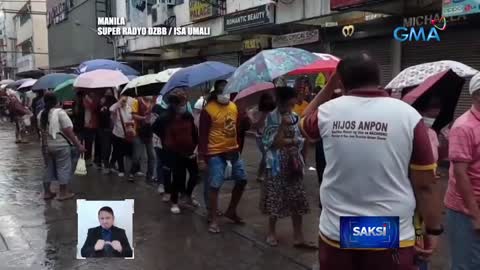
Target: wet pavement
[43,235]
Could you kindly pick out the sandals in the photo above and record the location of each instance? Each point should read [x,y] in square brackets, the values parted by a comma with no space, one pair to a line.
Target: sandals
[213,228]
[236,219]
[271,241]
[66,197]
[306,246]
[49,196]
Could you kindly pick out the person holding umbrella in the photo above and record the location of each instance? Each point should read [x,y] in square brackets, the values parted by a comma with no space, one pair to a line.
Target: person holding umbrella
[105,129]
[219,143]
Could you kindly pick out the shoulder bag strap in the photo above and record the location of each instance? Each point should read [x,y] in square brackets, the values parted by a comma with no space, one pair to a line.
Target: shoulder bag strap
[123,123]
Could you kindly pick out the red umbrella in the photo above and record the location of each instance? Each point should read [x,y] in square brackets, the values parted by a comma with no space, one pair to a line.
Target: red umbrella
[251,95]
[447,86]
[327,63]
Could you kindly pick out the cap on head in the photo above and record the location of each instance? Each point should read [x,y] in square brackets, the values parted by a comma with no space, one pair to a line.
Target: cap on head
[475,83]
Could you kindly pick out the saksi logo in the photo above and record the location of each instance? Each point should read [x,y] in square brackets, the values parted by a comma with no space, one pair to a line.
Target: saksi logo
[403,34]
[370,231]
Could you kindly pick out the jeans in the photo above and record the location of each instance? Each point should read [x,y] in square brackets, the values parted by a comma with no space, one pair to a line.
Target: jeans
[180,166]
[138,146]
[464,242]
[121,149]
[216,170]
[106,148]
[61,163]
[164,174]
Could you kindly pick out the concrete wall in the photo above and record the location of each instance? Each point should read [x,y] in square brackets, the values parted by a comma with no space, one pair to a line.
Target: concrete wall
[74,43]
[237,5]
[40,36]
[300,10]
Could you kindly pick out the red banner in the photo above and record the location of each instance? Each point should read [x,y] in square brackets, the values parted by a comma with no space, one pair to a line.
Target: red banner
[345,4]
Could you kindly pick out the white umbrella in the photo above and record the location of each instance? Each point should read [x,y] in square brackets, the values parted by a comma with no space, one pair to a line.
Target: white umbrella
[100,78]
[415,75]
[26,84]
[7,81]
[148,85]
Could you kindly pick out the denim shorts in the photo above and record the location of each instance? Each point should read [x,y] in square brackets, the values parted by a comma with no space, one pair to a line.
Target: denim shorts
[216,170]
[464,242]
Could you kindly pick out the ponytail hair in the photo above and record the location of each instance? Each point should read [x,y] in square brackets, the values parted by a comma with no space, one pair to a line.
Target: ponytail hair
[50,101]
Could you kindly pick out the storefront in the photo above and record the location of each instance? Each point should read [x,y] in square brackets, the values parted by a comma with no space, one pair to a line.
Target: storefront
[232,59]
[252,46]
[458,42]
[374,38]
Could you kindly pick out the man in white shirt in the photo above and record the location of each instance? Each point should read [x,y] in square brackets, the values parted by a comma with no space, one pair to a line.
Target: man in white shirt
[371,141]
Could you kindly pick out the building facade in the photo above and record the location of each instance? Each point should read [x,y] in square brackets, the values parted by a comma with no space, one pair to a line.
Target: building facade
[72,33]
[24,40]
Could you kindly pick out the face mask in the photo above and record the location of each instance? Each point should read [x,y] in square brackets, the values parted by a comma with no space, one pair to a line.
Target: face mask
[428,121]
[223,99]
[182,109]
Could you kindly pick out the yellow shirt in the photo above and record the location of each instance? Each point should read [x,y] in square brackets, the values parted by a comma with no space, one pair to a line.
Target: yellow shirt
[300,108]
[222,137]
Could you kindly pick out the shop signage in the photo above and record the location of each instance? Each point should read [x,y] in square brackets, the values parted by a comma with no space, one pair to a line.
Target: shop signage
[426,20]
[348,30]
[460,7]
[252,17]
[200,10]
[255,44]
[346,4]
[297,38]
[56,11]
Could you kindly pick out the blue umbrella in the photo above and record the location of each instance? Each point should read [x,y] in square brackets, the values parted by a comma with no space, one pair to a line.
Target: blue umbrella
[14,85]
[50,81]
[198,74]
[267,66]
[105,64]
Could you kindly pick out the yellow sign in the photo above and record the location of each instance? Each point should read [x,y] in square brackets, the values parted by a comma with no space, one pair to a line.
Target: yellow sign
[321,80]
[200,10]
[255,43]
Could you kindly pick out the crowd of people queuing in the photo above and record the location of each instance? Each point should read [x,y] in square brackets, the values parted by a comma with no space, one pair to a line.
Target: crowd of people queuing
[393,175]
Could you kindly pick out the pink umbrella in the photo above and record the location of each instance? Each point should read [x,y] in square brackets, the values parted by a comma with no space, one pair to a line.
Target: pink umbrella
[327,63]
[251,95]
[100,78]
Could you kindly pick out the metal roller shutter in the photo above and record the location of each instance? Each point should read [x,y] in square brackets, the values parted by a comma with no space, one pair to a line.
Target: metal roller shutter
[232,59]
[458,45]
[378,48]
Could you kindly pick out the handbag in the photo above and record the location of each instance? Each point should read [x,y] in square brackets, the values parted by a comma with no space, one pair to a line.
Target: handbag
[128,130]
[81,168]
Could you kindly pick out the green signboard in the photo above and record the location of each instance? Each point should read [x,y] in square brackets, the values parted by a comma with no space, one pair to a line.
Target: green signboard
[460,7]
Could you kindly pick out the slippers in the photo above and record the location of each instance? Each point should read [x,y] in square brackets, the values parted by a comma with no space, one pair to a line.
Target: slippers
[68,197]
[271,241]
[213,228]
[49,197]
[236,219]
[306,246]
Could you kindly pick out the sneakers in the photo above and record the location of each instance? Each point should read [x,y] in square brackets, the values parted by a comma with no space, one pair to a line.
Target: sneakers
[192,202]
[166,197]
[121,174]
[175,209]
[106,171]
[131,178]
[139,174]
[161,189]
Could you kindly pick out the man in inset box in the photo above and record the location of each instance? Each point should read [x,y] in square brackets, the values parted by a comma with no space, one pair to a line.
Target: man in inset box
[370,142]
[106,240]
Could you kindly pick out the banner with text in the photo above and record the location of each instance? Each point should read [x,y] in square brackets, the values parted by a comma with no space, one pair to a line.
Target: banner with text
[456,8]
[252,17]
[56,11]
[297,38]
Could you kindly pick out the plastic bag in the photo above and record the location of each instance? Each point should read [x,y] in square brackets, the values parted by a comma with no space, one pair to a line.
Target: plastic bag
[81,167]
[228,170]
[27,120]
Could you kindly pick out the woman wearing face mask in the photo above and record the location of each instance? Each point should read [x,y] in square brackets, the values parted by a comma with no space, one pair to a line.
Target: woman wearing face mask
[283,193]
[105,129]
[179,137]
[430,113]
[257,116]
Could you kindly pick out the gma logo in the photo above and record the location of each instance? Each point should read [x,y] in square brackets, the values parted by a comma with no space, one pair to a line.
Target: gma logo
[370,231]
[403,34]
